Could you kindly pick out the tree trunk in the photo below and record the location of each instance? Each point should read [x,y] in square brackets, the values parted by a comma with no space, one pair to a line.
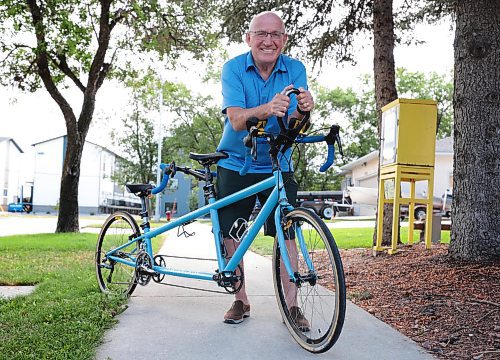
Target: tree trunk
[385,84]
[475,233]
[70,178]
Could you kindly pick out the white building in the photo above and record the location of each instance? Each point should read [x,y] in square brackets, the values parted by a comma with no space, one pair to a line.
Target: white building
[10,162]
[97,192]
[363,173]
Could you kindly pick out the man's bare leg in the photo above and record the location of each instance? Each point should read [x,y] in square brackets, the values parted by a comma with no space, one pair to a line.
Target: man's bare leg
[231,247]
[289,288]
[240,309]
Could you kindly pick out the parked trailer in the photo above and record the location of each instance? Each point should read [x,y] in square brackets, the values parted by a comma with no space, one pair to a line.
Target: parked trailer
[325,203]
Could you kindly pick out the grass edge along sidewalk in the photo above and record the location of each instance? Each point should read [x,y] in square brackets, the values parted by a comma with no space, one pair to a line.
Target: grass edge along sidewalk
[345,238]
[66,316]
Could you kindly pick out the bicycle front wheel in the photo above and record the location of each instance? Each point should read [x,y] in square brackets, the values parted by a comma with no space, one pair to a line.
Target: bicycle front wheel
[115,277]
[313,308]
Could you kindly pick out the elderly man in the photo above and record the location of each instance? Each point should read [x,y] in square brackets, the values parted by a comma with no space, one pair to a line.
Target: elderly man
[253,85]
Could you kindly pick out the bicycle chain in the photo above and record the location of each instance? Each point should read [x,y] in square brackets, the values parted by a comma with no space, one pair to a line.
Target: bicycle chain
[143,278]
[194,288]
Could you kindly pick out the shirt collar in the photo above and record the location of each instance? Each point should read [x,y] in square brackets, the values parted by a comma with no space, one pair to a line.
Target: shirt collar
[280,65]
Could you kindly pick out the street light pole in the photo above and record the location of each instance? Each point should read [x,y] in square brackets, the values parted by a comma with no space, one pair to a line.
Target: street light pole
[160,139]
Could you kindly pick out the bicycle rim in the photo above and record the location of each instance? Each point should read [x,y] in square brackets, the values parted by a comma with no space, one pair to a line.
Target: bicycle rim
[114,277]
[322,300]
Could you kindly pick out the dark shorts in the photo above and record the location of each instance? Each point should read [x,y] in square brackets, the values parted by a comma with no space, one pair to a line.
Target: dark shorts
[229,182]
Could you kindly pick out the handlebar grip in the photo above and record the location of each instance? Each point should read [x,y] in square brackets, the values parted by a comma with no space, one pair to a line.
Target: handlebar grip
[162,185]
[167,170]
[292,91]
[280,119]
[310,139]
[248,162]
[329,159]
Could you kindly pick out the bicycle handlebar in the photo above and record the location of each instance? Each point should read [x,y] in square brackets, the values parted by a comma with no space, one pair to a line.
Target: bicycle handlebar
[332,137]
[167,170]
[287,137]
[284,140]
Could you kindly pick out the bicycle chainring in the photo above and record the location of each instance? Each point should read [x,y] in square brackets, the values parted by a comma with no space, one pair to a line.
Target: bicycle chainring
[143,268]
[159,260]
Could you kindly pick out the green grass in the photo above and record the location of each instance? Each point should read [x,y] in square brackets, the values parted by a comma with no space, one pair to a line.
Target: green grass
[348,238]
[154,224]
[66,316]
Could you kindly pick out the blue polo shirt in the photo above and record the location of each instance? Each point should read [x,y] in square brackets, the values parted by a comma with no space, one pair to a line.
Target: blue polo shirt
[242,86]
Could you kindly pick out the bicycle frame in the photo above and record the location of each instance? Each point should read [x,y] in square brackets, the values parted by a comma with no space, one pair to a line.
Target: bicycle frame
[277,197]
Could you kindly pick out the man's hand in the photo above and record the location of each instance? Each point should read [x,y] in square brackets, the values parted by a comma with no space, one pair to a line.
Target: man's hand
[278,106]
[305,101]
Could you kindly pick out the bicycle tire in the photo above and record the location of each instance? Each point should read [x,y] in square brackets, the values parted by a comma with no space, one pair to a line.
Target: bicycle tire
[323,301]
[113,277]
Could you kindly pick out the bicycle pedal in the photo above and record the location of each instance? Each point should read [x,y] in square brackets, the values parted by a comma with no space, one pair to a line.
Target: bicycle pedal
[145,270]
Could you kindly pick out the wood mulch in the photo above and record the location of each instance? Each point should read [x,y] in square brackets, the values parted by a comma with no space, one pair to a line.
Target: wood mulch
[450,308]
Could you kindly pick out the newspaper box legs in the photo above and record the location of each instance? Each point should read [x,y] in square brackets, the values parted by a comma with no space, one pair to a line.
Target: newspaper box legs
[411,174]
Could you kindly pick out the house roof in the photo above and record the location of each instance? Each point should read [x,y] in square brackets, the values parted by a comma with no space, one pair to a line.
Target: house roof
[14,142]
[48,140]
[443,147]
[363,159]
[90,142]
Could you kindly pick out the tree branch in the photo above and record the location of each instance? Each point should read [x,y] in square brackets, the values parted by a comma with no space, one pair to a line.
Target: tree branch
[42,63]
[103,40]
[106,67]
[16,46]
[92,21]
[62,65]
[94,79]
[485,302]
[119,15]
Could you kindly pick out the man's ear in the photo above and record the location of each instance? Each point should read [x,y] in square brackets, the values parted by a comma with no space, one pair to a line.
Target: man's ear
[247,39]
[285,38]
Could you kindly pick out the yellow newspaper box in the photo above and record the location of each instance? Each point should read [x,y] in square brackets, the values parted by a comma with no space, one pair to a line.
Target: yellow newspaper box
[409,132]
[408,153]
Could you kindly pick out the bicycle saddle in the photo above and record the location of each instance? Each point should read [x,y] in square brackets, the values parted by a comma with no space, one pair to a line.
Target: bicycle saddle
[138,188]
[208,159]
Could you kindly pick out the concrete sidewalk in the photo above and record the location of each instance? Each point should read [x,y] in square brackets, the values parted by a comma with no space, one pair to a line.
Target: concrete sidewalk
[164,322]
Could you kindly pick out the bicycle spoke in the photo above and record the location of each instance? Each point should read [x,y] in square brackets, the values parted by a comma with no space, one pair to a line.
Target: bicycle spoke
[320,292]
[115,277]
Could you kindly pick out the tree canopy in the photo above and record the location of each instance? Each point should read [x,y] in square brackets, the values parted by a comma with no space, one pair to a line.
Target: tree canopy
[136,136]
[73,36]
[82,43]
[196,124]
[358,109]
[331,27]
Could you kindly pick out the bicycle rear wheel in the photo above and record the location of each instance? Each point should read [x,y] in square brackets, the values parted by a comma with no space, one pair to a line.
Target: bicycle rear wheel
[314,308]
[114,277]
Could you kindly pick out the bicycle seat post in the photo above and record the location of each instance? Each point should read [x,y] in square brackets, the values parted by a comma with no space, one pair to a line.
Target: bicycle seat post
[209,188]
[144,213]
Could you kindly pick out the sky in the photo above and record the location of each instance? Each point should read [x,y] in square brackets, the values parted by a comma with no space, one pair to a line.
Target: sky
[31,118]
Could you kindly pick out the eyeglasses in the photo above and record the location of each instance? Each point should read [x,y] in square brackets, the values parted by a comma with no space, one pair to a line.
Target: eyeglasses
[275,35]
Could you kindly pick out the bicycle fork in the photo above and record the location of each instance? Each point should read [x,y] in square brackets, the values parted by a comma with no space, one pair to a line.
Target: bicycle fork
[293,230]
